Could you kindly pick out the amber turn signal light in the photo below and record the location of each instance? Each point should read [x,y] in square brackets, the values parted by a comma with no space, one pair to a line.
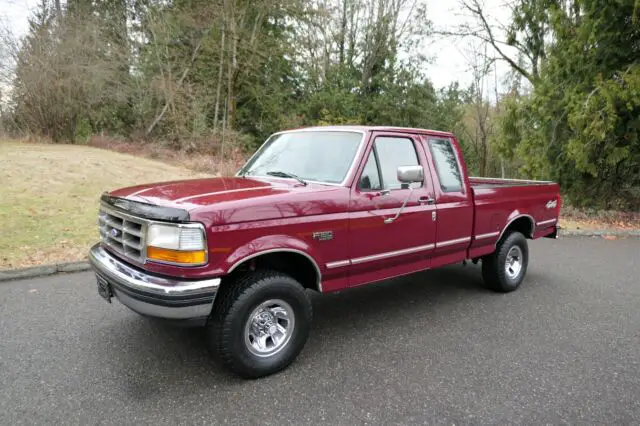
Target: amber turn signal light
[197,257]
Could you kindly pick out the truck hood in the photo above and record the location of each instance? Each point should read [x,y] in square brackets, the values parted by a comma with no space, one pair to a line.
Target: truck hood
[217,201]
[193,192]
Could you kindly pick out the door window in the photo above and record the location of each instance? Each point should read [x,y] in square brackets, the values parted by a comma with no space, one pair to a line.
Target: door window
[446,165]
[392,153]
[370,179]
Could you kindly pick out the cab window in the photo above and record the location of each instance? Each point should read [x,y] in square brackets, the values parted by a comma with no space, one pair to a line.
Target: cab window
[446,163]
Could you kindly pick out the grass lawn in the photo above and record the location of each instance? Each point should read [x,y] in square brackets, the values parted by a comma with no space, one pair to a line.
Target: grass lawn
[49,197]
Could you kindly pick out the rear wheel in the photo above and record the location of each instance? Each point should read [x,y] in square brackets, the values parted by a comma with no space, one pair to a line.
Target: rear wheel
[260,323]
[505,269]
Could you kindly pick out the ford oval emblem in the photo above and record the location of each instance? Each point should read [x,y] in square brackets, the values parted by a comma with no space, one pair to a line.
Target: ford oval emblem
[114,232]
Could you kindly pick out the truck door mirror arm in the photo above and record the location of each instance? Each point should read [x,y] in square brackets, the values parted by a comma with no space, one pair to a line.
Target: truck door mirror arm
[404,203]
[407,175]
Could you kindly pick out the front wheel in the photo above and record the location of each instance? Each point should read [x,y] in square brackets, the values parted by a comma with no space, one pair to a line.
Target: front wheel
[260,323]
[504,269]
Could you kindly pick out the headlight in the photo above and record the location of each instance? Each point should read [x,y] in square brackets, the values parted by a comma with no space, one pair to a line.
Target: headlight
[177,244]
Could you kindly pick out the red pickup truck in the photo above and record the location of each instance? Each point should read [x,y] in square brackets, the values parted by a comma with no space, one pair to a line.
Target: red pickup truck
[320,209]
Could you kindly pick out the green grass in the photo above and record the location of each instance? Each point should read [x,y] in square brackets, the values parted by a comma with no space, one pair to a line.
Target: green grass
[49,197]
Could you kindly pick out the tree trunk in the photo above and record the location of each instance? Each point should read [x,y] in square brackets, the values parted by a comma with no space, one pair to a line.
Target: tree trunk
[343,31]
[231,70]
[220,76]
[353,30]
[485,142]
[224,131]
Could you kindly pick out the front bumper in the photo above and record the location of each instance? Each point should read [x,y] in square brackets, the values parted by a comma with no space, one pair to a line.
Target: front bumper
[153,295]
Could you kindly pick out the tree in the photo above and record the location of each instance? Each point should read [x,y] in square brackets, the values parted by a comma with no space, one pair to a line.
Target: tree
[523,40]
[478,124]
[579,124]
[66,75]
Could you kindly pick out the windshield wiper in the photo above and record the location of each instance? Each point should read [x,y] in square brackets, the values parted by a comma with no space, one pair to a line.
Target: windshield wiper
[287,175]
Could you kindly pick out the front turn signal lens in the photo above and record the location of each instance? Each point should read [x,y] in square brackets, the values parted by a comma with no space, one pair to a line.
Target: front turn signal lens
[182,257]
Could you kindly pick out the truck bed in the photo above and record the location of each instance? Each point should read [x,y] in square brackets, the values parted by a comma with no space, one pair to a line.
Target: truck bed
[498,202]
[487,183]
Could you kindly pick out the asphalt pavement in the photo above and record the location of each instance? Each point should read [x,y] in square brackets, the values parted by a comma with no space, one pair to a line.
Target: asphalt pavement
[433,348]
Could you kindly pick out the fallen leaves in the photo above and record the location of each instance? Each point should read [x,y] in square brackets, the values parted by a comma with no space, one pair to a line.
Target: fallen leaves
[610,221]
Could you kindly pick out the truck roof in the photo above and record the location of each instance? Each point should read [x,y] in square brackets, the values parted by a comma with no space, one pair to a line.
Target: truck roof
[359,128]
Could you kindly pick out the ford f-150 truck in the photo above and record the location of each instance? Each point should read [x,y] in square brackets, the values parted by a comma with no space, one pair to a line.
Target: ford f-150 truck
[320,209]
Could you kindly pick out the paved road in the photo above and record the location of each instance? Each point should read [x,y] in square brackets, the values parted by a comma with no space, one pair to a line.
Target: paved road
[433,348]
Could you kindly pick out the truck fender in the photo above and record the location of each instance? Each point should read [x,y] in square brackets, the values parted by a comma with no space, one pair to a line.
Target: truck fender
[515,215]
[273,244]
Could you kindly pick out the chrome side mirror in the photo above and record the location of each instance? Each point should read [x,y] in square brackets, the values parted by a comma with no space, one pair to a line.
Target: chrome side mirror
[410,174]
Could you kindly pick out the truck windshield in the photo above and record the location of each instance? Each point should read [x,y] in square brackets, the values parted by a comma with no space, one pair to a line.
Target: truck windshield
[320,156]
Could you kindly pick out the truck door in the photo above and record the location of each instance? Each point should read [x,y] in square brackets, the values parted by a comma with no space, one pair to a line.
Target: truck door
[381,246]
[454,204]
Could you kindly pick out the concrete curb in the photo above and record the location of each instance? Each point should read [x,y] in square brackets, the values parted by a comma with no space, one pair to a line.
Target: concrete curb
[44,270]
[598,233]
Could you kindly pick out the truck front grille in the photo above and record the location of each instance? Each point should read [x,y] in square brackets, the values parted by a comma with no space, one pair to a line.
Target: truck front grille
[123,233]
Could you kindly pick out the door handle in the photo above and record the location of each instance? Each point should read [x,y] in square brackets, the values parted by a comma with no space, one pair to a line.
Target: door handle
[426,200]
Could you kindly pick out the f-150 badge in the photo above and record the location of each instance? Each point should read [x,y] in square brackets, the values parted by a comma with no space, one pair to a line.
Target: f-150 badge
[323,236]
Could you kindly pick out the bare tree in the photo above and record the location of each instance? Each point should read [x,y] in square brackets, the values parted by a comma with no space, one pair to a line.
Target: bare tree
[358,34]
[65,73]
[185,71]
[510,43]
[478,122]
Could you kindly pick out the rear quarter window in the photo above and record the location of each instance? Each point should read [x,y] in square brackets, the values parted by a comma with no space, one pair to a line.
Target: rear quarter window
[446,162]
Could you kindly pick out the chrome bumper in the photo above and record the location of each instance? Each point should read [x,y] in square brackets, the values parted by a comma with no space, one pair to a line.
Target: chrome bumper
[153,295]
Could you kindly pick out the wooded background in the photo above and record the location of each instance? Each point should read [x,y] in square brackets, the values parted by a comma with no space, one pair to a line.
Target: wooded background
[209,75]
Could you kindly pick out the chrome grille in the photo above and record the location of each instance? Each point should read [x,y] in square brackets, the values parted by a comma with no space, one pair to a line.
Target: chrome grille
[123,233]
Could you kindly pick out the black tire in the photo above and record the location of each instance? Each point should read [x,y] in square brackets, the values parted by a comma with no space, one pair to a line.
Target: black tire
[494,271]
[231,314]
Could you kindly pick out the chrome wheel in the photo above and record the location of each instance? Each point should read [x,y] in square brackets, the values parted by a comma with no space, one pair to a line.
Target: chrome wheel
[513,263]
[269,327]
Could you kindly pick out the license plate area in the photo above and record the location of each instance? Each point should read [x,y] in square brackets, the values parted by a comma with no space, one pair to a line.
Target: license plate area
[104,288]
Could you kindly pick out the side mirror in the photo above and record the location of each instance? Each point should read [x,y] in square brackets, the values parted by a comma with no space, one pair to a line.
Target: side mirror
[410,174]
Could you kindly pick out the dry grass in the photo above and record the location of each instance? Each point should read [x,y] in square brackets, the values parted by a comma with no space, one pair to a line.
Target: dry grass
[575,219]
[203,158]
[49,197]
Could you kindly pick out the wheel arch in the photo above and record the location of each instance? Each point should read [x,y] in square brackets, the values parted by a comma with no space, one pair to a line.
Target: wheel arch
[285,254]
[523,223]
[275,259]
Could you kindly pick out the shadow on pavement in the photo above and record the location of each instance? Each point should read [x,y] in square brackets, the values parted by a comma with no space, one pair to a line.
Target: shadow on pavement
[157,357]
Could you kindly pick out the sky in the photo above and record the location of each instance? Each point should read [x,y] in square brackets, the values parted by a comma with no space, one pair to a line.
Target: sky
[16,13]
[449,56]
